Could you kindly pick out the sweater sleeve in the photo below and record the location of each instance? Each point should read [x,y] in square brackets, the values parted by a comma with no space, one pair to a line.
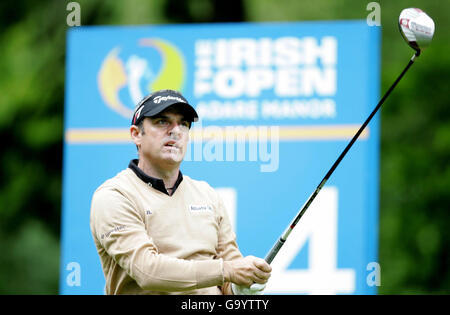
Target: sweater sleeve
[120,230]
[227,246]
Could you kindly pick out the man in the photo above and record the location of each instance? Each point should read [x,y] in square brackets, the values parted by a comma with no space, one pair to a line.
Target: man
[158,231]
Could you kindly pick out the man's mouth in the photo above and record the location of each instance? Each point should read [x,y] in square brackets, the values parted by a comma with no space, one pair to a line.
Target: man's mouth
[171,144]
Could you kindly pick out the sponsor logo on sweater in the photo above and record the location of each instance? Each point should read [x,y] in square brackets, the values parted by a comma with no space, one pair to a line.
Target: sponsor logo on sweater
[200,208]
[115,229]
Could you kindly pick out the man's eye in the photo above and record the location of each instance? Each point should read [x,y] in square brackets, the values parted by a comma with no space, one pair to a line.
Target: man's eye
[185,123]
[162,122]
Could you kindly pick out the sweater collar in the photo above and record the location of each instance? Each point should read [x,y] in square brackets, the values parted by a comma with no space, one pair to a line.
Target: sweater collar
[156,183]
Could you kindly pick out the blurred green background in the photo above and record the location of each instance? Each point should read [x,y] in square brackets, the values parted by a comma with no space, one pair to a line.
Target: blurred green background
[414,217]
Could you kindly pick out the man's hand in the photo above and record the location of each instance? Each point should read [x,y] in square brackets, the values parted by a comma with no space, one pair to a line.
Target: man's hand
[247,271]
[255,289]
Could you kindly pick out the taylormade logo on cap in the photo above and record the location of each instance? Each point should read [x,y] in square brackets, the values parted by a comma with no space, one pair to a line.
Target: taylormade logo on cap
[159,99]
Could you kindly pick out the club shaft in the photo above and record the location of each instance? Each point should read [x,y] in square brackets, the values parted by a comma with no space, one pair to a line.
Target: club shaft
[277,246]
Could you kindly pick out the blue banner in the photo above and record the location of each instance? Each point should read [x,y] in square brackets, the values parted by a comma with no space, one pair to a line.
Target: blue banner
[278,102]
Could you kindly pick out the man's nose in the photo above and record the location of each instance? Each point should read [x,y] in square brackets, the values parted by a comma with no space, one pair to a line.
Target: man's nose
[175,129]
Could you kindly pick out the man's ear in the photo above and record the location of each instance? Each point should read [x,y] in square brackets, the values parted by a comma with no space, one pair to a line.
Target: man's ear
[136,135]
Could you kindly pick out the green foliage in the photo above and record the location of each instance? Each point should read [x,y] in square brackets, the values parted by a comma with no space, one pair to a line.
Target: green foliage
[31,265]
[414,251]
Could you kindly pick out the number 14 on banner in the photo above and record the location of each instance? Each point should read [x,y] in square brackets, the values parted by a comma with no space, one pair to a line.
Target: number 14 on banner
[319,227]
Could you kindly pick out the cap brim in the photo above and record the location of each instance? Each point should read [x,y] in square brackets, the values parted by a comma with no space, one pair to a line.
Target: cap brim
[189,111]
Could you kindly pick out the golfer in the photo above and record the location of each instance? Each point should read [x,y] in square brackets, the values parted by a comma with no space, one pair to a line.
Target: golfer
[156,230]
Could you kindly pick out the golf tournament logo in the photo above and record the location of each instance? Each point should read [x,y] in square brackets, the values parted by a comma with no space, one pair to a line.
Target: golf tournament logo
[127,74]
[259,78]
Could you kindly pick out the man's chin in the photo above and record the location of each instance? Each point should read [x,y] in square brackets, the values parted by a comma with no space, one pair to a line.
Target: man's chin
[171,159]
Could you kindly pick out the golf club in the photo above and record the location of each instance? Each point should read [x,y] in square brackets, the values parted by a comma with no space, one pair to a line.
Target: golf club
[417,28]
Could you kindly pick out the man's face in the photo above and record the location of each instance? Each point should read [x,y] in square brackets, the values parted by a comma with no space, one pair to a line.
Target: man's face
[163,139]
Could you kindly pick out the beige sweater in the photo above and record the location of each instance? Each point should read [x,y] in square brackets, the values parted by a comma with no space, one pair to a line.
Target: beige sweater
[152,243]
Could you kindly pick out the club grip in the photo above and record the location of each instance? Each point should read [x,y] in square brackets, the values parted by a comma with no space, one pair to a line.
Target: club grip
[274,251]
